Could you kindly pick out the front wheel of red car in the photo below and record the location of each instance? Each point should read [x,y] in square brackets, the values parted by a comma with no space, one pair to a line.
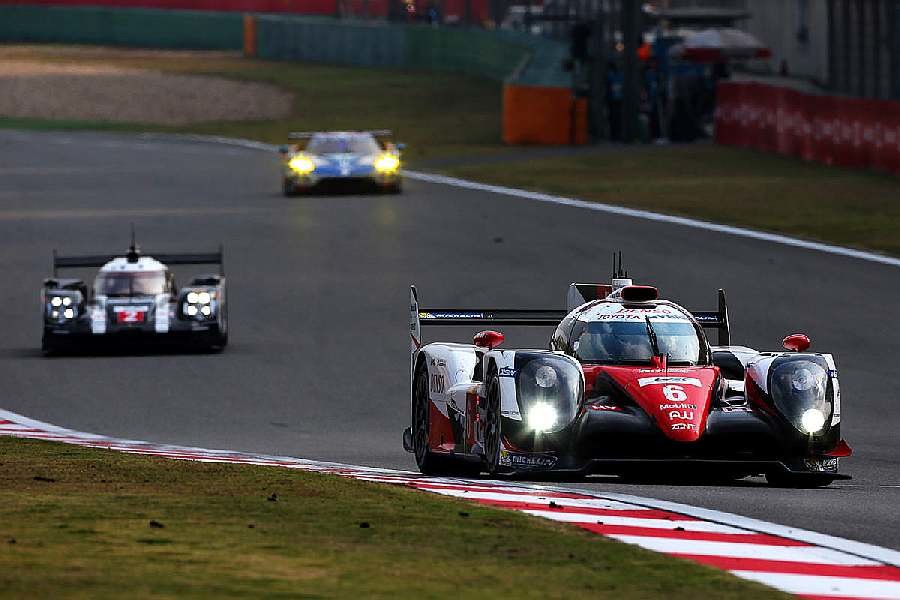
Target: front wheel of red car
[492,433]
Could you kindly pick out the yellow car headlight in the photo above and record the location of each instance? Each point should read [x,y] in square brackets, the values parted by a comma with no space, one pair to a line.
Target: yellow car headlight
[302,164]
[387,163]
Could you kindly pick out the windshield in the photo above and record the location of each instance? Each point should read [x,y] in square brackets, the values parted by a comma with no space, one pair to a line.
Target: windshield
[629,342]
[130,284]
[355,144]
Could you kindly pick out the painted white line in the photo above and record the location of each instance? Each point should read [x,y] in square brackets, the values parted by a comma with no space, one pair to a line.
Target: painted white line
[535,499]
[704,526]
[652,216]
[818,585]
[804,554]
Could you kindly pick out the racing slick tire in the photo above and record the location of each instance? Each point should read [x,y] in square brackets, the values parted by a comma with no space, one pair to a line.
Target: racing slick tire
[428,462]
[798,480]
[492,432]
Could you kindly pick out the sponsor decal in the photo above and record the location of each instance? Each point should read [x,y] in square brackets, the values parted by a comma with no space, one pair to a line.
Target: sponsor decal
[645,381]
[437,383]
[683,427]
[823,465]
[451,315]
[527,461]
[687,415]
[604,407]
[664,371]
[680,405]
[506,372]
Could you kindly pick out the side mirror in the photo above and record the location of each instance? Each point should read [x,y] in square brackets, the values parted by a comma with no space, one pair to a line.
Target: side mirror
[283,149]
[796,342]
[400,147]
[488,339]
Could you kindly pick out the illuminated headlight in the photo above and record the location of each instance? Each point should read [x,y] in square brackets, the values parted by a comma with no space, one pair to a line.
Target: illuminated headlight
[191,310]
[302,164]
[69,313]
[812,420]
[56,301]
[66,301]
[205,310]
[203,298]
[387,163]
[542,417]
[193,297]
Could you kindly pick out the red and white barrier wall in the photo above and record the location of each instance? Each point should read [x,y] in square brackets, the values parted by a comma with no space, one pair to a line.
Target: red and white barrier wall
[833,130]
[809,564]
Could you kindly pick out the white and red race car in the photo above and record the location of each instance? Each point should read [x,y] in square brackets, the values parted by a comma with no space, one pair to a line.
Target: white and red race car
[630,385]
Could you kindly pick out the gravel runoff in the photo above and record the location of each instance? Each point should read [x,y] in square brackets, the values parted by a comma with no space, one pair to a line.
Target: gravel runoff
[88,92]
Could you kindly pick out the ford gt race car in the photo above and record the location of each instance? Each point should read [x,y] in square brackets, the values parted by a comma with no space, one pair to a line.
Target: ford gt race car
[630,385]
[134,298]
[349,159]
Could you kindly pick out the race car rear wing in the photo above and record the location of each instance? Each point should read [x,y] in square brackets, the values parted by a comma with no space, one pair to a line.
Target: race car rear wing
[716,320]
[305,135]
[98,260]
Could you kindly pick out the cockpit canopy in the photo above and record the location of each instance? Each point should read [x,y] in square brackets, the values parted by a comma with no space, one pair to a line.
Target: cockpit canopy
[356,143]
[624,342]
[615,333]
[131,283]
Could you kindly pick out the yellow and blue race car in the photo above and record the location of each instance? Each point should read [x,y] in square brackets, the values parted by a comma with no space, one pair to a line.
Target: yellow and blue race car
[341,160]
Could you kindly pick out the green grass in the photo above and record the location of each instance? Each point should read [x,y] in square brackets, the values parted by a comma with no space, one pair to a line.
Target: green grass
[76,522]
[442,116]
[726,185]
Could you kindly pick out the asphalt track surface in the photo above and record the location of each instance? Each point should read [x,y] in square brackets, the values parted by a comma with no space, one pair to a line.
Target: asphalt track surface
[318,358]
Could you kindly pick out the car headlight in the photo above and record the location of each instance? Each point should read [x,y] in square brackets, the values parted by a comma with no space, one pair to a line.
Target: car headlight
[302,164]
[199,304]
[802,392]
[387,163]
[812,420]
[541,417]
[56,301]
[549,389]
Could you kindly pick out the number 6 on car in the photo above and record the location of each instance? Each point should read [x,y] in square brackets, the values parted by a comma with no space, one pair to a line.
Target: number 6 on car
[630,385]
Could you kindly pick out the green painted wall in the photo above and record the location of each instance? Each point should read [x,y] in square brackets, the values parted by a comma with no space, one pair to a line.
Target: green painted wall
[147,28]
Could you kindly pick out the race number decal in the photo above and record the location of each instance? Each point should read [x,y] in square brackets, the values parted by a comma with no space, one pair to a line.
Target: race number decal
[674,393]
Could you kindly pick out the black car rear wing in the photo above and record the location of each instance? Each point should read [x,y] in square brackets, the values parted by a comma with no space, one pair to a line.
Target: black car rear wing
[305,135]
[716,320]
[98,260]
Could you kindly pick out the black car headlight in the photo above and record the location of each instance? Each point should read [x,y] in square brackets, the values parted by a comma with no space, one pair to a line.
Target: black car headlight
[549,389]
[802,391]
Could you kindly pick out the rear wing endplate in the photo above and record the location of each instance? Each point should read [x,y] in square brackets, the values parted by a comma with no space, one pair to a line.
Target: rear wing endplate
[716,320]
[98,260]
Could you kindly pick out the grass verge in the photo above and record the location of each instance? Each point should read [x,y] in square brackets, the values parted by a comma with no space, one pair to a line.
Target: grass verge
[94,523]
[443,116]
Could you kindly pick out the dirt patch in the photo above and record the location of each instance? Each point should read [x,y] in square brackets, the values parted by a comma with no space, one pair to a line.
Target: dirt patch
[97,92]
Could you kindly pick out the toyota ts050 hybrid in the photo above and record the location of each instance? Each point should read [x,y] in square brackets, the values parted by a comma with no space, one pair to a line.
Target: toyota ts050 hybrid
[349,159]
[134,298]
[630,386]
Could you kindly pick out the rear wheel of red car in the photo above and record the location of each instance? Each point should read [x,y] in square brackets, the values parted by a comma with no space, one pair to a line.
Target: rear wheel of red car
[427,462]
[492,431]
